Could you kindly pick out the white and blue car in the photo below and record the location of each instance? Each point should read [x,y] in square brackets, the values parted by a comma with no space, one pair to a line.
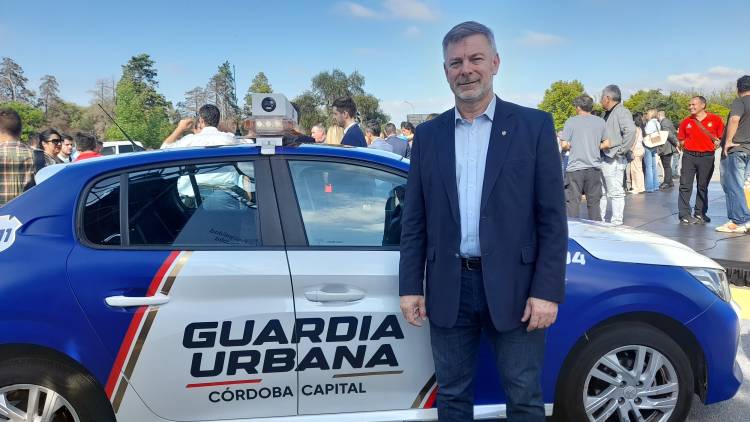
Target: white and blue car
[222,284]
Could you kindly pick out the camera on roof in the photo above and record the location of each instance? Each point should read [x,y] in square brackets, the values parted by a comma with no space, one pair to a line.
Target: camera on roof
[273,106]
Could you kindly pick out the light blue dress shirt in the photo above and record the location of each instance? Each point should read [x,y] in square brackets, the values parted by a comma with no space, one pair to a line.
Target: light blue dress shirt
[472,143]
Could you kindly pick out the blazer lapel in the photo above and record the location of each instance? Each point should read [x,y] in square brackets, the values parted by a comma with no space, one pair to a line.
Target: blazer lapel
[503,131]
[446,157]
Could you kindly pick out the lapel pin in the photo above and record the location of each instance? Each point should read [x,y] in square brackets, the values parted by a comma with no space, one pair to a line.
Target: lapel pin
[503,133]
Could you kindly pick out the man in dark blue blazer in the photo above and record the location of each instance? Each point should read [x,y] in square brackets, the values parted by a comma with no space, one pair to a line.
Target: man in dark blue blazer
[344,111]
[485,216]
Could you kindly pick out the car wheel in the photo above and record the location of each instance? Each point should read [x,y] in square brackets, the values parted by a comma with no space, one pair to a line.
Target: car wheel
[40,389]
[628,372]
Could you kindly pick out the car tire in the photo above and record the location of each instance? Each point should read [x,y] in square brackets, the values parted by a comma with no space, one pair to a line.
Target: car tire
[624,342]
[80,396]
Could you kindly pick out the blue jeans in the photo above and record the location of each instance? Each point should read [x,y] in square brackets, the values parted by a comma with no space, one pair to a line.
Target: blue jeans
[519,356]
[735,169]
[651,170]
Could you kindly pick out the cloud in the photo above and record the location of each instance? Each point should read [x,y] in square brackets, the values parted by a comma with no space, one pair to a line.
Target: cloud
[540,39]
[357,10]
[717,77]
[412,32]
[400,9]
[410,10]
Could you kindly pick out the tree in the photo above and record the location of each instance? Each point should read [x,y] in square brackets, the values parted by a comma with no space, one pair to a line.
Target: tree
[558,101]
[194,100]
[49,93]
[335,84]
[32,118]
[13,83]
[327,87]
[259,85]
[221,92]
[140,110]
[310,110]
[369,110]
[140,69]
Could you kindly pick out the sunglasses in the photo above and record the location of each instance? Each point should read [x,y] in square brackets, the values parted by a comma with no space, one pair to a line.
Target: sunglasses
[55,141]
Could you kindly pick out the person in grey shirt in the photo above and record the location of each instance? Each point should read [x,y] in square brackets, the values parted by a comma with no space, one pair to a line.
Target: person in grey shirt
[735,163]
[583,135]
[620,139]
[372,136]
[398,144]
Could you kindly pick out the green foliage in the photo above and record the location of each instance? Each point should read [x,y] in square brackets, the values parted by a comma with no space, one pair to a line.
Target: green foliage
[675,105]
[369,110]
[141,112]
[327,87]
[310,110]
[32,118]
[260,84]
[558,101]
[140,69]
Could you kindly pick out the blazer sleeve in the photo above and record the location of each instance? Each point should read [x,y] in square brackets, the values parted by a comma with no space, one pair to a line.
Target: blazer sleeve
[551,220]
[413,228]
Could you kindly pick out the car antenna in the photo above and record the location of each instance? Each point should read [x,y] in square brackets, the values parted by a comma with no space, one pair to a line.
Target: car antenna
[136,147]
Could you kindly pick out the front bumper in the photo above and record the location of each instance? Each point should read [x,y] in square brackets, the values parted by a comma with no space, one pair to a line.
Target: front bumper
[718,332]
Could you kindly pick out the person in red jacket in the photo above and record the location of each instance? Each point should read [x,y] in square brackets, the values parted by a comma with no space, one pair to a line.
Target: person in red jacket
[699,135]
[86,146]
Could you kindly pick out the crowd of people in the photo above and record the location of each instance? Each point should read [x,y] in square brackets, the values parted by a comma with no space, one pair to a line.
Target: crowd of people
[608,157]
[20,161]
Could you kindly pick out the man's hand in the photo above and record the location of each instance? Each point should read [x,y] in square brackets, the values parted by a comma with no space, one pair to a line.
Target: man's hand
[182,126]
[413,308]
[185,124]
[539,313]
[729,144]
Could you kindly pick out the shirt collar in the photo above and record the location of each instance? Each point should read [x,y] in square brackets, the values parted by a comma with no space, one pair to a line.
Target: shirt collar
[489,112]
[346,129]
[208,129]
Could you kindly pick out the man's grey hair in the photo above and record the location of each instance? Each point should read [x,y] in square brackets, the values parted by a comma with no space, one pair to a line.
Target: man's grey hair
[613,92]
[318,126]
[585,102]
[465,30]
[390,129]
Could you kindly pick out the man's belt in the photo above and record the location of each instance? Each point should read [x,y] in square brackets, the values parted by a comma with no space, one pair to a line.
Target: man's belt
[699,153]
[472,263]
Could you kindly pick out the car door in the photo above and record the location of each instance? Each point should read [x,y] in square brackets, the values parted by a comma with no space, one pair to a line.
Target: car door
[190,292]
[356,353]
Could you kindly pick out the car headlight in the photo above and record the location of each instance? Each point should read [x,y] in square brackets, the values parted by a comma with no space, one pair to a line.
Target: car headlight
[714,280]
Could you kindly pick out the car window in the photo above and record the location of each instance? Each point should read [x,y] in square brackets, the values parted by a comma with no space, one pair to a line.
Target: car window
[348,205]
[101,214]
[108,150]
[194,206]
[121,149]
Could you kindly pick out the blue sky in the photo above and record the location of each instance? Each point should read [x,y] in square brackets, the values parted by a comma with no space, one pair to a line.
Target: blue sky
[395,44]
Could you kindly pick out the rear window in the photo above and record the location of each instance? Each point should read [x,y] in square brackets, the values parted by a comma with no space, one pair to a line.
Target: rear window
[185,206]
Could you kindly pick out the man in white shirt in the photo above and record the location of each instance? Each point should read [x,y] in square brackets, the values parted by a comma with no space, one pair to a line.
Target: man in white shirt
[216,187]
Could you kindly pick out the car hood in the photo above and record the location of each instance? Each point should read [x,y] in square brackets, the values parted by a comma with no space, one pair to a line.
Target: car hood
[626,244]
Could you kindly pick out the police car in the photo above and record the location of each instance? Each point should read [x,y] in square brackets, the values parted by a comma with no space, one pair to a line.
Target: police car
[259,282]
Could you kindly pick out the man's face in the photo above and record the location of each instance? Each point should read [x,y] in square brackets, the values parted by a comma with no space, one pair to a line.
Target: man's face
[340,117]
[317,134]
[406,132]
[696,106]
[67,147]
[605,101]
[469,67]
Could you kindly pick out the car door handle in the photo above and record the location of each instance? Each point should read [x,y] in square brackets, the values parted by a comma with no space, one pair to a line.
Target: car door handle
[125,301]
[320,295]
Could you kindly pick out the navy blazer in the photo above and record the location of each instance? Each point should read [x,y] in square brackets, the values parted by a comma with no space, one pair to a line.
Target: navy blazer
[523,230]
[354,137]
